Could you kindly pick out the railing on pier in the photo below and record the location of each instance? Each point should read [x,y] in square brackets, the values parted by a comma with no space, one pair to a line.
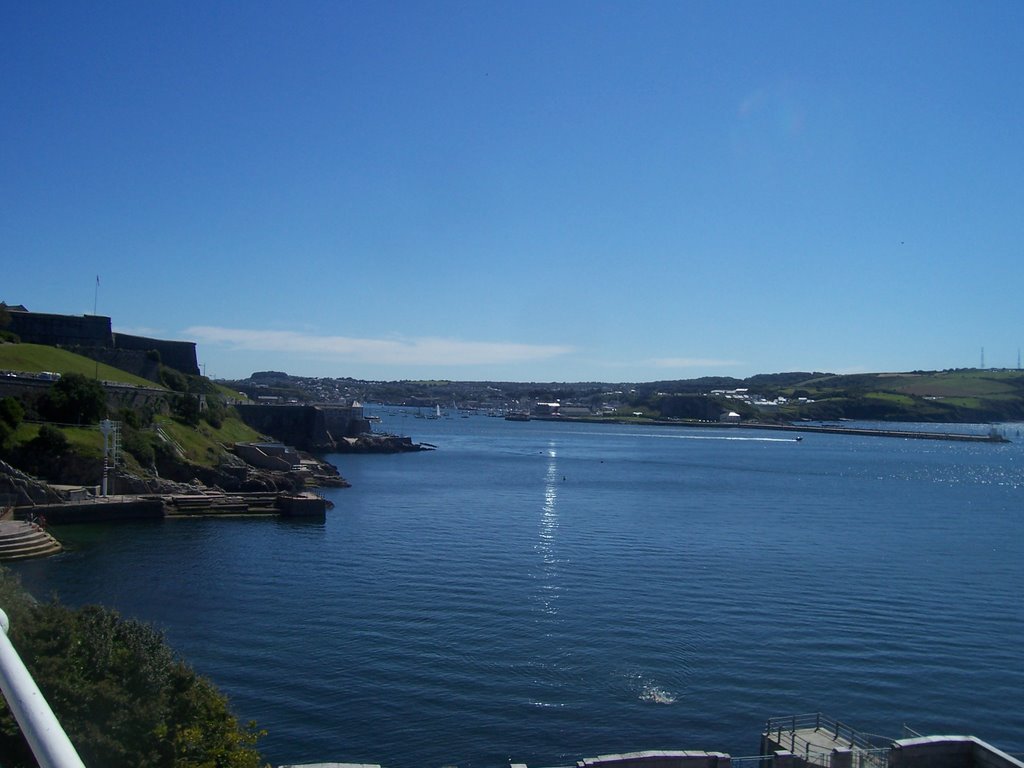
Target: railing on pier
[784,731]
[50,745]
[910,733]
[859,758]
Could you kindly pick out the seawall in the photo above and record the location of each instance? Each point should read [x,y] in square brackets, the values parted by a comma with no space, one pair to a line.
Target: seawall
[114,509]
[307,427]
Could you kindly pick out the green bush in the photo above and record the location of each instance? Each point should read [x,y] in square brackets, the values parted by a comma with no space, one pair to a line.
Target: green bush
[120,693]
[173,379]
[74,399]
[186,408]
[214,413]
[11,415]
[139,444]
[49,442]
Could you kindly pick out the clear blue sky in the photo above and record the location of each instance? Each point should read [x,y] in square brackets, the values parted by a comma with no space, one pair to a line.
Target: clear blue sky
[532,191]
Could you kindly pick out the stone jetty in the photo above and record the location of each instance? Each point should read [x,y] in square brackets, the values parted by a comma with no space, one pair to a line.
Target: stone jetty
[112,509]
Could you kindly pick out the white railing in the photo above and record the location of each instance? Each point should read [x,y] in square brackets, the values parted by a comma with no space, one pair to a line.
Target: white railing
[46,737]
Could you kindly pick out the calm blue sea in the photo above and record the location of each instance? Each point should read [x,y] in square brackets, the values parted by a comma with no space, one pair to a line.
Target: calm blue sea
[541,592]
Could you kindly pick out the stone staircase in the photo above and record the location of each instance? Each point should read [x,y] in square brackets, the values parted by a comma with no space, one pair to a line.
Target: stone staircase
[20,540]
[212,504]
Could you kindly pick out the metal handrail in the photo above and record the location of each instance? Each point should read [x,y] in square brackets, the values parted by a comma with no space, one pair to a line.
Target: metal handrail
[792,723]
[50,745]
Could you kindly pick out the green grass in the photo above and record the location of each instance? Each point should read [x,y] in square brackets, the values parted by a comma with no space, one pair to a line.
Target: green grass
[962,384]
[969,383]
[25,432]
[198,448]
[36,358]
[228,392]
[233,430]
[972,403]
[891,397]
[85,441]
[203,444]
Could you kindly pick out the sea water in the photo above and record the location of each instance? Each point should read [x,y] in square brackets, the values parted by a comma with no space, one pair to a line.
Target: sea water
[540,592]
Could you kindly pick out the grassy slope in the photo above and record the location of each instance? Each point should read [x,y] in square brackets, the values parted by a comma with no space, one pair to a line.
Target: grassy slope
[204,444]
[940,395]
[968,383]
[35,358]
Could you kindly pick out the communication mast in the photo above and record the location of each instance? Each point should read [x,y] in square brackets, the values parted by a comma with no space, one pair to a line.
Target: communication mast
[111,431]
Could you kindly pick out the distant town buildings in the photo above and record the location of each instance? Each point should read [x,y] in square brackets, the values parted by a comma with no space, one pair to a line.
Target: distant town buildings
[744,395]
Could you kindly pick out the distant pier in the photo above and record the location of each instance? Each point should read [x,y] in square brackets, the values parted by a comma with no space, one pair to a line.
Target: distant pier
[992,437]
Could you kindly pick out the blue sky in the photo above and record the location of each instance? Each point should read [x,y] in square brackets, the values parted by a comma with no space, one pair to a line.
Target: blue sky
[533,191]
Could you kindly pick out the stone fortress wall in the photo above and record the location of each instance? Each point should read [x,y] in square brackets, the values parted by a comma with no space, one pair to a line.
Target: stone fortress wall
[91,335]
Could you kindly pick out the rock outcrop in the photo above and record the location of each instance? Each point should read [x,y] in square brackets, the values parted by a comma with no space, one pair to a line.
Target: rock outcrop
[18,489]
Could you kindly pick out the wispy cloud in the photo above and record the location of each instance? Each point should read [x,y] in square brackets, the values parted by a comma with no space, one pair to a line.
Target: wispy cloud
[390,351]
[691,362]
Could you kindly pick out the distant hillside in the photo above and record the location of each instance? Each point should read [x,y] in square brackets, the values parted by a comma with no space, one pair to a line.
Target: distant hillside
[968,395]
[965,396]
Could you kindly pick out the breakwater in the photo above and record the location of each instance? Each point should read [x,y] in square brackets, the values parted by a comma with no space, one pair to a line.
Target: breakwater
[991,437]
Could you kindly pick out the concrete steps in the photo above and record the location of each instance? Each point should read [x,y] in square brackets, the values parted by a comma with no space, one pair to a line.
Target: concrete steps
[20,540]
[221,504]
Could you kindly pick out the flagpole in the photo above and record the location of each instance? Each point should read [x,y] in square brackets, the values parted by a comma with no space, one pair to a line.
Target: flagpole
[96,375]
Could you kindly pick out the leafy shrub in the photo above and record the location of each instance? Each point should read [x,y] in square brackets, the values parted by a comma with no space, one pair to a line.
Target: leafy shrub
[139,444]
[11,414]
[186,408]
[173,379]
[121,694]
[74,399]
[49,442]
[214,413]
[130,418]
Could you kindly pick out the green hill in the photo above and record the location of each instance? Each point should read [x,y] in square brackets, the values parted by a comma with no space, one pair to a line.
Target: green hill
[967,395]
[36,358]
[169,431]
